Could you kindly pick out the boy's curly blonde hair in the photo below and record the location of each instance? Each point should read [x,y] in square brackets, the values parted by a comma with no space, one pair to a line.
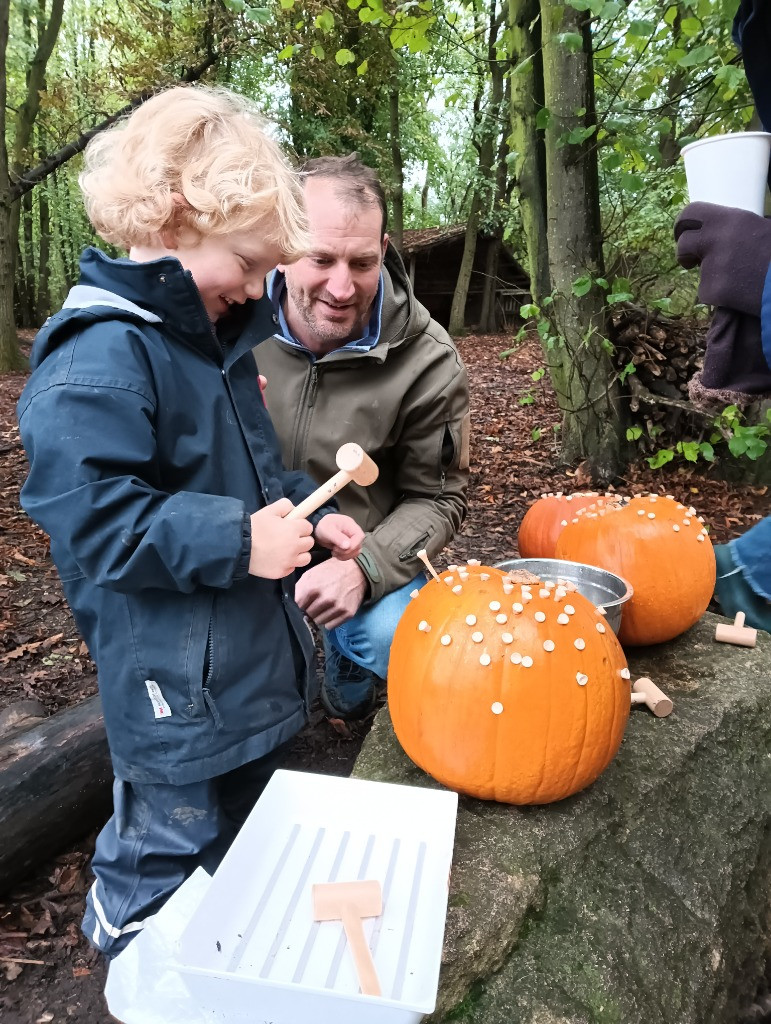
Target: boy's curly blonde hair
[195,158]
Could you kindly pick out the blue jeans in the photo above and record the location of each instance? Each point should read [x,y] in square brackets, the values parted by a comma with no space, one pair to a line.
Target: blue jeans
[366,638]
[158,835]
[752,554]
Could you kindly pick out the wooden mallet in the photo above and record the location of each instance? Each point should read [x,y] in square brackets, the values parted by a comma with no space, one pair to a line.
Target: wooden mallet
[737,633]
[645,691]
[349,902]
[353,464]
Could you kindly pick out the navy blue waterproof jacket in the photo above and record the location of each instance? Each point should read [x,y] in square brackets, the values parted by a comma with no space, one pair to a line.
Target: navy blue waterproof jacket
[149,447]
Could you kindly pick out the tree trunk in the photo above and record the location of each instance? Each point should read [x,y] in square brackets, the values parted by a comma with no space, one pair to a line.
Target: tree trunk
[10,356]
[487,319]
[489,127]
[25,269]
[43,298]
[527,143]
[580,364]
[55,781]
[397,202]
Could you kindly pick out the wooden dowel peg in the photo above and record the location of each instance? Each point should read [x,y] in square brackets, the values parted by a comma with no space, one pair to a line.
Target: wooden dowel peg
[423,556]
[738,633]
[645,691]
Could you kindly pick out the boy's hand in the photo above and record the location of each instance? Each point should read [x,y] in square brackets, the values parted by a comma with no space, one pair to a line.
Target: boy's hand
[340,534]
[279,545]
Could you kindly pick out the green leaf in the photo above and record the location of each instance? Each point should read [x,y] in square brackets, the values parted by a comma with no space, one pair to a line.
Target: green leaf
[318,51]
[286,53]
[628,369]
[630,182]
[641,28]
[325,21]
[526,399]
[731,78]
[535,433]
[354,4]
[260,15]
[542,118]
[343,57]
[572,41]
[581,285]
[664,304]
[661,458]
[699,55]
[581,134]
[670,15]
[690,26]
[235,6]
[707,451]
[601,282]
[633,433]
[615,297]
[529,309]
[609,10]
[362,68]
[689,450]
[287,5]
[537,374]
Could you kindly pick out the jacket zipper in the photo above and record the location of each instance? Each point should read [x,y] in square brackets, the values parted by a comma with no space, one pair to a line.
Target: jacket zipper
[307,401]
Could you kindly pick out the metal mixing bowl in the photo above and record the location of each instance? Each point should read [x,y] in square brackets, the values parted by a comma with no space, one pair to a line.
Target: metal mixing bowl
[602,588]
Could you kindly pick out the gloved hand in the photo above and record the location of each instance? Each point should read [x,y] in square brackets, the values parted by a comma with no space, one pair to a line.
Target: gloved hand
[733,248]
[735,371]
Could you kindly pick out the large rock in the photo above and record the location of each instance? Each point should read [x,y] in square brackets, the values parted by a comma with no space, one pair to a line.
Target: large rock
[642,900]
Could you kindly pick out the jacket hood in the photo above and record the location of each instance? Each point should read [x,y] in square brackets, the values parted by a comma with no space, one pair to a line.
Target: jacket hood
[153,293]
[403,316]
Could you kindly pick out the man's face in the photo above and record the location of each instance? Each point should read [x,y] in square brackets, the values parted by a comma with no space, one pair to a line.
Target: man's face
[330,291]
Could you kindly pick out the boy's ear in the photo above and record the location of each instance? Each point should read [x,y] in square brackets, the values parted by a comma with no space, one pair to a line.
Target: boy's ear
[171,232]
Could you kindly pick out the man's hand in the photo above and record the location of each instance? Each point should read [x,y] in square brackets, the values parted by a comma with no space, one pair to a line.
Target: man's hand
[332,592]
[733,248]
[279,545]
[340,534]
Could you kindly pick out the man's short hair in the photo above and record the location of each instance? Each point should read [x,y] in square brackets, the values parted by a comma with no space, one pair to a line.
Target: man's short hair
[195,158]
[355,183]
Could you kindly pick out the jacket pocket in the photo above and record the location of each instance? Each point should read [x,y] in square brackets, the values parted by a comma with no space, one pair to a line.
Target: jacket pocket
[201,659]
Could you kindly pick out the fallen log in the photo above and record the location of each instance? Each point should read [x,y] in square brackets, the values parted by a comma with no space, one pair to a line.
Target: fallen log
[55,787]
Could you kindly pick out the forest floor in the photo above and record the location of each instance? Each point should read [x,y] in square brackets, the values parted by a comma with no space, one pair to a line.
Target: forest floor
[47,971]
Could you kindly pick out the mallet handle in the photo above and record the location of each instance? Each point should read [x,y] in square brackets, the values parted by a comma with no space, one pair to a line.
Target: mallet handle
[362,958]
[320,495]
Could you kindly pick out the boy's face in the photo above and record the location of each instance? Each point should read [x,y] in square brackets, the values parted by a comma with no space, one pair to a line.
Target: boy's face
[330,292]
[227,269]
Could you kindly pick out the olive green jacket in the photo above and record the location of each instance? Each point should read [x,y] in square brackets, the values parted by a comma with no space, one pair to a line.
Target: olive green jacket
[406,403]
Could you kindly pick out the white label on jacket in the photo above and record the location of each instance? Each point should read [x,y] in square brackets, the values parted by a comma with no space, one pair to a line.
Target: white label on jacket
[160,707]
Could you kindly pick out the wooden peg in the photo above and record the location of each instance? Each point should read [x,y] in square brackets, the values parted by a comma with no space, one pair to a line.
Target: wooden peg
[423,556]
[738,633]
[645,691]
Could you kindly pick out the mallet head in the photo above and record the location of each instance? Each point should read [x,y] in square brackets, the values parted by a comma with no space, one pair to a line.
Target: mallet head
[352,459]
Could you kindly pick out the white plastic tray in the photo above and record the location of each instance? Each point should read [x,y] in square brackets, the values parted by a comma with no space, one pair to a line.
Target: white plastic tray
[252,949]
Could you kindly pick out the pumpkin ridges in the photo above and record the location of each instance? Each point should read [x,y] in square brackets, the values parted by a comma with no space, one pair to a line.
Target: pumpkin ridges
[673,577]
[541,524]
[471,741]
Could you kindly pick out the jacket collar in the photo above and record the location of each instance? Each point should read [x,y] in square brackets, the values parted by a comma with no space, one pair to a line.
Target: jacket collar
[162,291]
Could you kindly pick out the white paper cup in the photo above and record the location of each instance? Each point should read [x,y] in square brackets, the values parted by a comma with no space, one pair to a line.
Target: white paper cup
[730,170]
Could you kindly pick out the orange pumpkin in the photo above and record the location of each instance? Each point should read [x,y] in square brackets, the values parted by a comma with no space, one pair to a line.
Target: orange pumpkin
[507,691]
[544,520]
[662,549]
